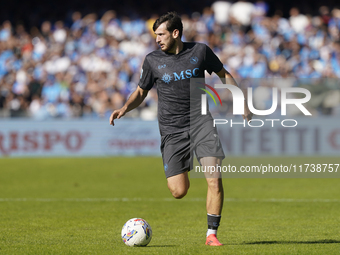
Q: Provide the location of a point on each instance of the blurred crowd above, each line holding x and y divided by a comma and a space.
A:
89, 68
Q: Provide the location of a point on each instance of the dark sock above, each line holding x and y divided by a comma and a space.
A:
213, 221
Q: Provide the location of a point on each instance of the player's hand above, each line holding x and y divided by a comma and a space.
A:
247, 113
117, 114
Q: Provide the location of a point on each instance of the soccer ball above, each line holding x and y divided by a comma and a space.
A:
136, 232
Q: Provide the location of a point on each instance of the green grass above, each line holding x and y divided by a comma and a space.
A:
78, 206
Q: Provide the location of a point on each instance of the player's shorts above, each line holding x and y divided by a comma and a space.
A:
177, 149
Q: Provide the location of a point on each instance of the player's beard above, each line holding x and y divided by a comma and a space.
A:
171, 46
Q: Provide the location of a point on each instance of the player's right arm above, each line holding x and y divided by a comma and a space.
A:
146, 82
134, 101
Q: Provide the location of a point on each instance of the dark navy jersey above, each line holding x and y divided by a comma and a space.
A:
172, 73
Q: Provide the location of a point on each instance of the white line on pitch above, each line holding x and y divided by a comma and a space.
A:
118, 199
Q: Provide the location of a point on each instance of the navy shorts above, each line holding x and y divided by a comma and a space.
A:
177, 149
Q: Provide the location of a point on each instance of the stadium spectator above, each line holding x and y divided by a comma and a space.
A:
241, 13
298, 21
221, 12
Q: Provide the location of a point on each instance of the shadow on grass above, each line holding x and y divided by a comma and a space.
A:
156, 246
296, 242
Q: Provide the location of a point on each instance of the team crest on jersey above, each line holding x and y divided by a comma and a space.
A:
193, 60
166, 78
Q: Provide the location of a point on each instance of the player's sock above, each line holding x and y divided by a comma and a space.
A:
213, 223
211, 231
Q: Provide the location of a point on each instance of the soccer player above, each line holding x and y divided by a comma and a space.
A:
171, 68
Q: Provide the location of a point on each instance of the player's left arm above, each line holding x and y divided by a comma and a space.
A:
227, 78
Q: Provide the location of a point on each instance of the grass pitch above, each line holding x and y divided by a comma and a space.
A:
78, 206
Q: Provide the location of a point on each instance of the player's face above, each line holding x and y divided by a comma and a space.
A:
165, 39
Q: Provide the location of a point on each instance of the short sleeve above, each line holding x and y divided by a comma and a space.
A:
147, 78
212, 62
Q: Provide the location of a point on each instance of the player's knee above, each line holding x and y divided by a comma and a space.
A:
179, 193
178, 185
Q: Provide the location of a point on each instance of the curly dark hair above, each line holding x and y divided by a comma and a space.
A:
173, 22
